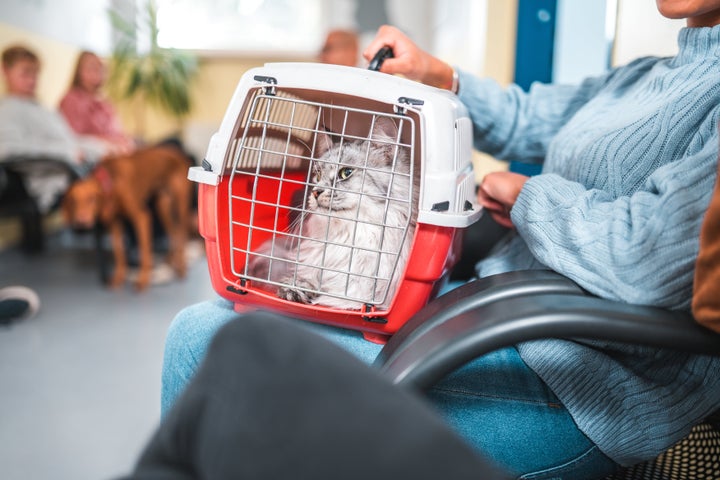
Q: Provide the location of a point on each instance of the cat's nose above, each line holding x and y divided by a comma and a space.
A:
316, 192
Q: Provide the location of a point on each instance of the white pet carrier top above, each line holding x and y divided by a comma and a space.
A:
440, 135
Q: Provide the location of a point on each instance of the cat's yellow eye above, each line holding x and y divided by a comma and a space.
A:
345, 173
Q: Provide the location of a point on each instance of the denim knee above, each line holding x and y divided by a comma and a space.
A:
186, 345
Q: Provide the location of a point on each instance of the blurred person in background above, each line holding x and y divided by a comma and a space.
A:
88, 112
341, 47
44, 151
29, 129
94, 118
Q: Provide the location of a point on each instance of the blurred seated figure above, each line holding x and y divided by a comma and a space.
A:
39, 153
88, 112
341, 47
28, 130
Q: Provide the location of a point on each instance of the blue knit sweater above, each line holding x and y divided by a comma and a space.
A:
629, 161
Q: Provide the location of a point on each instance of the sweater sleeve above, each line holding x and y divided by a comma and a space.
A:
31, 130
14, 141
639, 248
511, 124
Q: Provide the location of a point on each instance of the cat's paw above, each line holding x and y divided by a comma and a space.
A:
295, 295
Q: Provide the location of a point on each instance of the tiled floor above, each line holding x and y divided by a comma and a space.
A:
79, 383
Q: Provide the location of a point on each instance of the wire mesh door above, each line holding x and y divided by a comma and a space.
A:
322, 201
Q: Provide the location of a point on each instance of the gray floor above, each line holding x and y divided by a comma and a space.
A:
79, 383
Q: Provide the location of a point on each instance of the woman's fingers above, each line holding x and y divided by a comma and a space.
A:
497, 194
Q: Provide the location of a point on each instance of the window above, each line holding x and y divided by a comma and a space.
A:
259, 26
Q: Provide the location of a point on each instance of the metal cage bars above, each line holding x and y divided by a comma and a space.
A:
278, 144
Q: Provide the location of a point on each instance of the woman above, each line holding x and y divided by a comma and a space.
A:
88, 112
629, 161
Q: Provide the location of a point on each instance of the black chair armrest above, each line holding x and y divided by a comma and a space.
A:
3, 179
24, 164
472, 296
439, 350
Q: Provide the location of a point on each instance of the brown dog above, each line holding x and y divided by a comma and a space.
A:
120, 187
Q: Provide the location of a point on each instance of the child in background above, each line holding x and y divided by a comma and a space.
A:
88, 112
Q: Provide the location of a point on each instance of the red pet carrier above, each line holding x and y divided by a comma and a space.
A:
376, 249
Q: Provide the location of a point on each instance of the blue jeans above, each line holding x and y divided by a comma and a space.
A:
496, 403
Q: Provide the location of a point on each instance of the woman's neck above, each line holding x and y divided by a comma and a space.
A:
709, 19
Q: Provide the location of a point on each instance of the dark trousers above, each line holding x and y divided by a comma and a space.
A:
273, 401
16, 201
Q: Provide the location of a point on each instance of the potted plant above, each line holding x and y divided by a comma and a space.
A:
148, 73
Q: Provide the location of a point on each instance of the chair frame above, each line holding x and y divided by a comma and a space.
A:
505, 309
26, 208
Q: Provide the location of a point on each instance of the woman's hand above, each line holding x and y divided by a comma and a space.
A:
497, 194
409, 60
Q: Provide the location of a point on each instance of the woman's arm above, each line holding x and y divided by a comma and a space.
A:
640, 248
512, 124
508, 122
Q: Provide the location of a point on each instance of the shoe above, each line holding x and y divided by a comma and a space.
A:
17, 302
161, 274
194, 250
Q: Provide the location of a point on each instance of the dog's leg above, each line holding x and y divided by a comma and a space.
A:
164, 208
142, 222
183, 191
173, 207
118, 247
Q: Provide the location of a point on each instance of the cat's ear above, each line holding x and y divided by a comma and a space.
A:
325, 140
384, 137
384, 128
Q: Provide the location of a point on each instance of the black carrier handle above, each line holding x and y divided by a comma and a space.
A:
383, 54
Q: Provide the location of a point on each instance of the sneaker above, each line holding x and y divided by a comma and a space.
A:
161, 274
17, 302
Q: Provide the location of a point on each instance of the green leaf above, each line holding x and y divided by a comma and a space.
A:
161, 76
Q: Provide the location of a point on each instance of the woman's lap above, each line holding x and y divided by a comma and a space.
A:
496, 403
193, 328
502, 408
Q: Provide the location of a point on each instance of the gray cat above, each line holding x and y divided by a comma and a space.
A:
351, 240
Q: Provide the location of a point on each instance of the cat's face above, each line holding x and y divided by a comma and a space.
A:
353, 172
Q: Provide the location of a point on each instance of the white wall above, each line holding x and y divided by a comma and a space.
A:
454, 31
586, 44
641, 31
460, 29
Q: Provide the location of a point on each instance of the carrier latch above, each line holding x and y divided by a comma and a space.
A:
241, 290
369, 308
400, 109
272, 81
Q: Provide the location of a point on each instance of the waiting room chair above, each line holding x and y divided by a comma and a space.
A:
503, 310
15, 201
